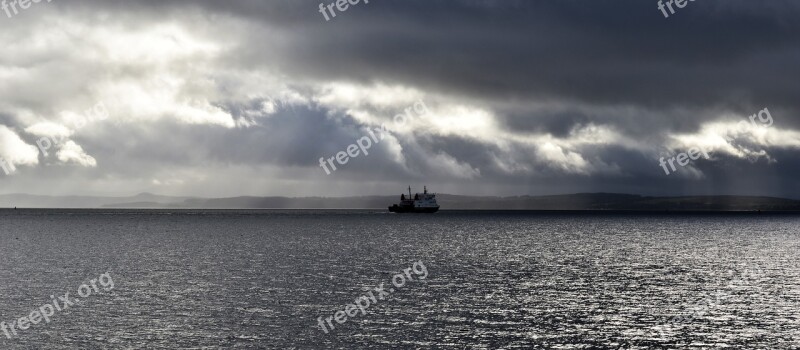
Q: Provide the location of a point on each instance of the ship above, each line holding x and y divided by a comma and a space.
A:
421, 203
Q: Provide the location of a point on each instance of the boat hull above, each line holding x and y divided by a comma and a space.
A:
413, 210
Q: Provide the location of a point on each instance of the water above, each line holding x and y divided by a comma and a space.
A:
510, 280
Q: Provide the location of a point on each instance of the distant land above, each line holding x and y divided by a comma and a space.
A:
581, 201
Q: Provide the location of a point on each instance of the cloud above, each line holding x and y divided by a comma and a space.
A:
72, 153
14, 151
49, 129
520, 96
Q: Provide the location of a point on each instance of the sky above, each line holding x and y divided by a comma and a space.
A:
508, 97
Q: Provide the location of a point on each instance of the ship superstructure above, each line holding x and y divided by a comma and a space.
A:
420, 203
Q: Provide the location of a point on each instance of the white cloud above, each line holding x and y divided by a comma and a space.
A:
14, 151
729, 137
49, 129
560, 159
72, 153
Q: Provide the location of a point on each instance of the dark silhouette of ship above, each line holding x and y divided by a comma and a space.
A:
421, 203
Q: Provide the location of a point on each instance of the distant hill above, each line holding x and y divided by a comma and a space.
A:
34, 201
580, 201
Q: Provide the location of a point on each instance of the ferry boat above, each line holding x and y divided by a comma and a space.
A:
421, 203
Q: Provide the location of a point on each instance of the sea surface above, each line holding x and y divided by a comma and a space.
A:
266, 279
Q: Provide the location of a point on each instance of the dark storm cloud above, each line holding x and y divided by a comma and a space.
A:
732, 54
546, 71
601, 51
